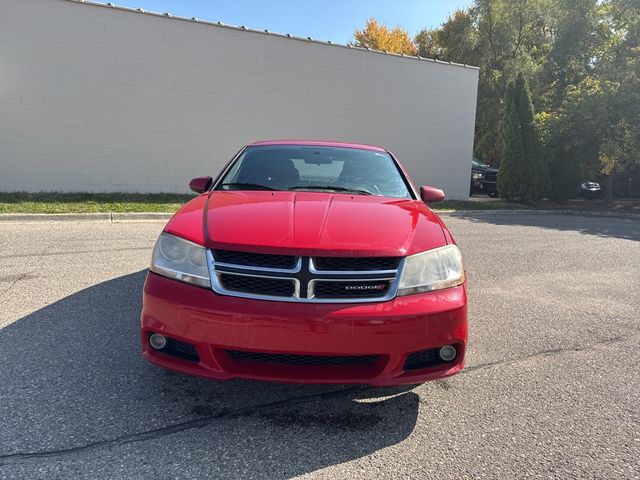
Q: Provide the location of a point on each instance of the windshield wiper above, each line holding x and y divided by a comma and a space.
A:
331, 187
248, 186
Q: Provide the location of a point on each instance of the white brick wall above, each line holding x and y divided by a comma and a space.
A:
100, 99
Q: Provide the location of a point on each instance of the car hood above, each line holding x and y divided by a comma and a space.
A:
484, 169
309, 223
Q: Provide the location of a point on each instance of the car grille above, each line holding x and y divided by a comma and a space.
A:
491, 177
258, 285
304, 279
356, 263
254, 259
302, 360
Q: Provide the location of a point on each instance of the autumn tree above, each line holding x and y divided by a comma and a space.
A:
378, 36
581, 61
455, 41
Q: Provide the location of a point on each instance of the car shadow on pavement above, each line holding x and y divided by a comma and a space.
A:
76, 390
608, 227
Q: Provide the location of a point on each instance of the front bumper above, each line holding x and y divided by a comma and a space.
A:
217, 324
588, 193
484, 186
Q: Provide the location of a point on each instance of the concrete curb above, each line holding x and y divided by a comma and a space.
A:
141, 217
83, 217
157, 217
577, 213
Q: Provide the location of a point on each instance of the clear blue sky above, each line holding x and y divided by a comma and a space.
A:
332, 20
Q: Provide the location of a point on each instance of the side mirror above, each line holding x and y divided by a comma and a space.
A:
431, 194
200, 184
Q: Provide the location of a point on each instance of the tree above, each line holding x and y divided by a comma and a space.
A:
618, 68
455, 41
502, 37
378, 36
511, 38
521, 174
575, 34
594, 129
581, 59
563, 164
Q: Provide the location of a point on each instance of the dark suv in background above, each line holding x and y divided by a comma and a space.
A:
484, 179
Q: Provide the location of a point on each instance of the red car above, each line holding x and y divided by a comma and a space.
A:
307, 262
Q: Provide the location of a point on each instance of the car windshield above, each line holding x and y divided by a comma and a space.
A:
316, 168
477, 163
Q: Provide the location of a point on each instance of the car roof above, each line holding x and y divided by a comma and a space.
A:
317, 143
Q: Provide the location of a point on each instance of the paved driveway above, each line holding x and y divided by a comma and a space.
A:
551, 388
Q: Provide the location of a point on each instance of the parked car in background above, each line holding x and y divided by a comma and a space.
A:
590, 190
307, 262
484, 179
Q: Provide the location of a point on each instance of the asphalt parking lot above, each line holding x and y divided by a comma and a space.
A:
551, 388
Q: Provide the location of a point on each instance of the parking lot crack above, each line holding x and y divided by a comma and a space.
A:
198, 423
12, 282
148, 435
551, 352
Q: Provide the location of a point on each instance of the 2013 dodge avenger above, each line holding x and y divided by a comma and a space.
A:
307, 262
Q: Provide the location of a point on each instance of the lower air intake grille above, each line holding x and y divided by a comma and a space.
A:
179, 349
301, 360
422, 359
258, 285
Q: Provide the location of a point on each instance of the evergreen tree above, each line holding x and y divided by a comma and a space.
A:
522, 175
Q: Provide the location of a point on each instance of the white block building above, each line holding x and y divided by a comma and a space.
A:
102, 99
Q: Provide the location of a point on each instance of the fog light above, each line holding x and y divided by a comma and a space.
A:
447, 353
157, 341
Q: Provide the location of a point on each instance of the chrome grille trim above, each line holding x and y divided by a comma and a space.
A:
313, 276
295, 269
314, 270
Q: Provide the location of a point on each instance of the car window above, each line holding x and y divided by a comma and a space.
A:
477, 163
289, 167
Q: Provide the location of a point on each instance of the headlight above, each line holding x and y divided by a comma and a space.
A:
432, 270
478, 176
181, 260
